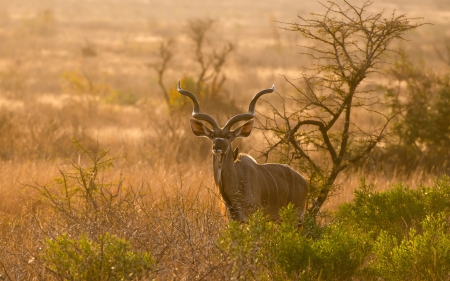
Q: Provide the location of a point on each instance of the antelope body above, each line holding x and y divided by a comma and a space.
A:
245, 185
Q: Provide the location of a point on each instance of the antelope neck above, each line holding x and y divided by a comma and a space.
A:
219, 159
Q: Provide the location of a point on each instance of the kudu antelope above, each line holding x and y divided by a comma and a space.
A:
244, 184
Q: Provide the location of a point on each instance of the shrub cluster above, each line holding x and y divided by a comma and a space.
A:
280, 251
91, 224
400, 234
106, 258
87, 224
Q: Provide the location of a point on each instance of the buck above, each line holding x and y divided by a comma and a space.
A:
245, 185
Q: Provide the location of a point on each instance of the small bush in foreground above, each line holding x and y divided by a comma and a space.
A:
395, 211
423, 255
92, 223
400, 234
268, 250
107, 258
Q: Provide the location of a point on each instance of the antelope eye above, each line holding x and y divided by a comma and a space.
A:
228, 137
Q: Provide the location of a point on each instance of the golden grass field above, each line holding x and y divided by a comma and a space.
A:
65, 64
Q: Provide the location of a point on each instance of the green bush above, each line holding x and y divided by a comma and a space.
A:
340, 253
436, 198
107, 258
395, 211
407, 230
268, 250
399, 234
421, 255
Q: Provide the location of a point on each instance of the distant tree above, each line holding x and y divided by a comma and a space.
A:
210, 63
318, 128
165, 54
423, 97
209, 59
204, 76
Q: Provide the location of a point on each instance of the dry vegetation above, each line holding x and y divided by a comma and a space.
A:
82, 70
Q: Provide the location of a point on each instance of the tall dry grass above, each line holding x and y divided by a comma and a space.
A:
177, 223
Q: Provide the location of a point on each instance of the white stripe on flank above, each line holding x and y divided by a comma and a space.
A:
293, 182
285, 180
265, 180
273, 180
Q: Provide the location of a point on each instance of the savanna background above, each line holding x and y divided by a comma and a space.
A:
102, 179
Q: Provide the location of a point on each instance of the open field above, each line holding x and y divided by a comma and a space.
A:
84, 70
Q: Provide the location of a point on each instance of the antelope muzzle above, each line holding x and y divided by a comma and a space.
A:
220, 146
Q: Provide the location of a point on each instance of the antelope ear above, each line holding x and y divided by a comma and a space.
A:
244, 130
199, 129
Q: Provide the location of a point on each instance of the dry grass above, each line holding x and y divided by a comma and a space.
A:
178, 224
61, 68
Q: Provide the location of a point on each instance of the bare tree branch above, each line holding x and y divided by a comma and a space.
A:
166, 55
320, 124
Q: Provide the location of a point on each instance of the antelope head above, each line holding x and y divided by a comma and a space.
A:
222, 138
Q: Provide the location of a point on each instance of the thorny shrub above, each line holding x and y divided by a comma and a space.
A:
90, 208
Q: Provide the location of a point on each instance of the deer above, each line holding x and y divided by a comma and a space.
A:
245, 185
